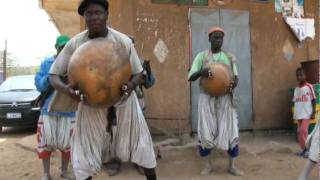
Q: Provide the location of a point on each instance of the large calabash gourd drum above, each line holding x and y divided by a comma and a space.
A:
219, 83
99, 68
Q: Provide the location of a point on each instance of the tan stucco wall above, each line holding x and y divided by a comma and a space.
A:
63, 15
169, 101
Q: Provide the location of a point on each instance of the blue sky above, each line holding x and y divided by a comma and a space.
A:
28, 29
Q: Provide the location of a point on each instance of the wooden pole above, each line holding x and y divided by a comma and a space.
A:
5, 60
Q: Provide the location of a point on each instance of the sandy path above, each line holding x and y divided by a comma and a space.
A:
264, 156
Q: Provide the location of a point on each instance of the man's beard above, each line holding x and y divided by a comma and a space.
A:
215, 47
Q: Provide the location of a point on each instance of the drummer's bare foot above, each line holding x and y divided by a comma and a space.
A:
232, 168
46, 168
206, 171
207, 167
64, 170
46, 177
236, 172
67, 175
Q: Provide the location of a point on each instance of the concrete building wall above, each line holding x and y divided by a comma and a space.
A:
169, 101
63, 15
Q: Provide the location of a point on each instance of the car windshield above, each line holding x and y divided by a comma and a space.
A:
18, 83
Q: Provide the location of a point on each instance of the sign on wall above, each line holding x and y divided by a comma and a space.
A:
183, 2
290, 8
303, 28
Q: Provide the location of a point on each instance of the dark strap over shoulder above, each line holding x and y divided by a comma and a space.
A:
231, 59
208, 54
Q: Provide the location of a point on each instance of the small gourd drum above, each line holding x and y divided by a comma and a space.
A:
218, 84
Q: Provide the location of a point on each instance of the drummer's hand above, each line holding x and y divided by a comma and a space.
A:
127, 89
74, 94
207, 73
231, 86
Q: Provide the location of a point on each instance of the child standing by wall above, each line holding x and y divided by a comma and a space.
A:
304, 108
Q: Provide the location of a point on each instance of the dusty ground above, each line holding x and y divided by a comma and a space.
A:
264, 156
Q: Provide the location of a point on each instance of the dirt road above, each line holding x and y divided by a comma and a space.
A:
264, 156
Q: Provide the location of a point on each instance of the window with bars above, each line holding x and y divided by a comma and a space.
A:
183, 2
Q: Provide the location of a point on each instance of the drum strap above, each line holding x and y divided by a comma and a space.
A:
208, 57
231, 59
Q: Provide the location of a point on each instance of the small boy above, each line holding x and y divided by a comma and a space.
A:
304, 108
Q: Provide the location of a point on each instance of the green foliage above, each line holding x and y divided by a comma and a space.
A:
14, 71
12, 59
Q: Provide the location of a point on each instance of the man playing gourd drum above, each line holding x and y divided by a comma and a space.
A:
217, 116
132, 141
